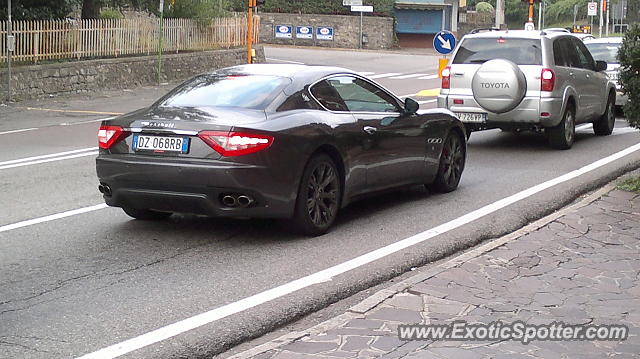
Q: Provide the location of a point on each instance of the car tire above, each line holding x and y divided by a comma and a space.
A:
319, 196
605, 124
467, 131
145, 214
561, 137
452, 161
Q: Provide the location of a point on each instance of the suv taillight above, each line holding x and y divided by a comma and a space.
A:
109, 135
547, 80
446, 78
235, 143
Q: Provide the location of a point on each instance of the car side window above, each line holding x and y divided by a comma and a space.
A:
559, 53
298, 101
328, 96
571, 53
586, 60
362, 96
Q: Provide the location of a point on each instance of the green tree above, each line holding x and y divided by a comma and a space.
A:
484, 7
629, 56
381, 7
37, 9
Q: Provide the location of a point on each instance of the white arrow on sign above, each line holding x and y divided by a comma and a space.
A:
445, 44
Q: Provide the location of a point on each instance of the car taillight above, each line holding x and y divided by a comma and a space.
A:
235, 143
446, 77
109, 135
547, 80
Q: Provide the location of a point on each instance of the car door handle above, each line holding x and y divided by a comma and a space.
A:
370, 130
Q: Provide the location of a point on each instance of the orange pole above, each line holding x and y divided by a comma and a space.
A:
530, 10
250, 31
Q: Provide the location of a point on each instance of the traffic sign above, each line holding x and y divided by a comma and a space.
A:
530, 26
351, 2
360, 8
444, 42
592, 9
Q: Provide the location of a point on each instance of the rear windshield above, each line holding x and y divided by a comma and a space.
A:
604, 52
519, 51
245, 91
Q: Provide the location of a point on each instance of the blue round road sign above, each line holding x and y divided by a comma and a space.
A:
444, 42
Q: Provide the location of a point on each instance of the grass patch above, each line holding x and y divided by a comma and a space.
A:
630, 185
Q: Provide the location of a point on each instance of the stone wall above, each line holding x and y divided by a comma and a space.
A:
36, 81
379, 31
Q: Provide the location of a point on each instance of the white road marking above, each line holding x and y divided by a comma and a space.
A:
87, 121
389, 74
287, 61
405, 76
365, 73
427, 101
51, 217
429, 77
18, 131
91, 151
584, 126
213, 315
403, 96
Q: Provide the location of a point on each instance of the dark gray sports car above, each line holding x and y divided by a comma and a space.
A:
277, 141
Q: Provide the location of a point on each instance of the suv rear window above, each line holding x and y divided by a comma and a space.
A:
481, 50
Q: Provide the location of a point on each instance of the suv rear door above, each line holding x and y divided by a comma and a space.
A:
475, 51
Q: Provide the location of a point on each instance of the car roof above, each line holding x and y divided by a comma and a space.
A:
519, 34
605, 40
292, 71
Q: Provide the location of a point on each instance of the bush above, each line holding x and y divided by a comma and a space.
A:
110, 14
629, 56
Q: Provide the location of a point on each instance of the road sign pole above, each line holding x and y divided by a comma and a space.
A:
250, 32
601, 19
361, 29
160, 35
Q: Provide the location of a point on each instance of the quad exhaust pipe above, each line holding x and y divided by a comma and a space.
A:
233, 200
105, 189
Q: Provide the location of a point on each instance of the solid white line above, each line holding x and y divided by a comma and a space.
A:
409, 95
51, 217
385, 75
287, 61
430, 77
26, 159
21, 164
365, 73
87, 121
583, 126
427, 101
18, 131
199, 320
405, 76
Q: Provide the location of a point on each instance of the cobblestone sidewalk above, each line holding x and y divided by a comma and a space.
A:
583, 267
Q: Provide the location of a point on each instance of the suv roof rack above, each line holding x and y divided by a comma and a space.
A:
483, 29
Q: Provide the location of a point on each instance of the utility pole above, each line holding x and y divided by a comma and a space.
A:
252, 4
607, 5
499, 13
10, 48
540, 5
575, 13
602, 3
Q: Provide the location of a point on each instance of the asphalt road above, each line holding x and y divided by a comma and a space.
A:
74, 284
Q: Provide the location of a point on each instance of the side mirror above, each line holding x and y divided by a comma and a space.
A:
601, 66
411, 106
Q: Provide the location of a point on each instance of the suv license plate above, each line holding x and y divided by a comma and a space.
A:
472, 117
160, 144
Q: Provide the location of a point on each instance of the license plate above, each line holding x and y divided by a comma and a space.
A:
472, 117
160, 144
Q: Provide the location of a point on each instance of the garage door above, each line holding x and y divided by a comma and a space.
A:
418, 21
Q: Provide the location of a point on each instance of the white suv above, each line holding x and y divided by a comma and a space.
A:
528, 80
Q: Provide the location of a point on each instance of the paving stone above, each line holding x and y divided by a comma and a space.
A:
406, 301
310, 347
290, 355
456, 353
387, 344
396, 315
423, 288
355, 343
364, 324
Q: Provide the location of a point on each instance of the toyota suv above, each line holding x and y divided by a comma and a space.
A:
528, 80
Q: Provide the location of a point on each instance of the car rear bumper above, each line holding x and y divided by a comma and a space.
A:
529, 113
195, 187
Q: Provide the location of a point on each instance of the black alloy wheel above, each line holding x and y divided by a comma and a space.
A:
318, 198
452, 161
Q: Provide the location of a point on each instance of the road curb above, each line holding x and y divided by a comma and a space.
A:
377, 298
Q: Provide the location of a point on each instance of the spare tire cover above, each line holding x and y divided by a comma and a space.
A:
499, 86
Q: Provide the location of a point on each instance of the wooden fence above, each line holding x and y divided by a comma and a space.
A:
50, 40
